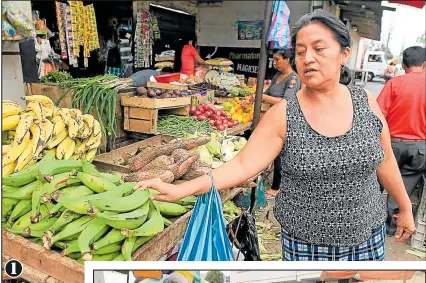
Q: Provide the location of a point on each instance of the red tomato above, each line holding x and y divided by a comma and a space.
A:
192, 110
220, 127
218, 122
213, 116
235, 122
208, 113
212, 123
197, 113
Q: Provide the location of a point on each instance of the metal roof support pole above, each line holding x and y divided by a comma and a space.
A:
263, 60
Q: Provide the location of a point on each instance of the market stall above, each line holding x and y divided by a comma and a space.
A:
59, 209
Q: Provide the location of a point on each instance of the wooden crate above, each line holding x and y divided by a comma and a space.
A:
198, 99
166, 86
36, 256
141, 114
53, 92
50, 90
50, 266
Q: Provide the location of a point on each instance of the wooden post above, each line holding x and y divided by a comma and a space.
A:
262, 64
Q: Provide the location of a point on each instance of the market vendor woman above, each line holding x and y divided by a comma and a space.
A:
336, 148
286, 82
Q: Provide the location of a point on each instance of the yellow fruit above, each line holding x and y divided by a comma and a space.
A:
58, 126
90, 155
65, 149
73, 128
16, 150
10, 122
23, 127
38, 109
10, 108
25, 157
8, 169
55, 140
44, 100
5, 148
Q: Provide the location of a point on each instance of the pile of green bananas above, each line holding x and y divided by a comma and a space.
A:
68, 205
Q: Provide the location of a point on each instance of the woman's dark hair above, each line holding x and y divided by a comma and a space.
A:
178, 50
332, 22
285, 53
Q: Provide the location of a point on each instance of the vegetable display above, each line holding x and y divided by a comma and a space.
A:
240, 109
180, 126
56, 77
43, 128
98, 93
71, 207
217, 119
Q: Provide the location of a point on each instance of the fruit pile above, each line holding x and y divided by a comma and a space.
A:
218, 119
241, 109
43, 127
242, 91
69, 206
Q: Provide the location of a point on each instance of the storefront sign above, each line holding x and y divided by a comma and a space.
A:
246, 60
250, 30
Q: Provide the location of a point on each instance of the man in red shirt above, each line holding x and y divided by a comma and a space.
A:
403, 103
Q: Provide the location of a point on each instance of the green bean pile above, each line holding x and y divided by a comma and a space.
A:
179, 126
98, 92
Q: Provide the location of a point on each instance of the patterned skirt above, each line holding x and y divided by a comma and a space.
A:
373, 249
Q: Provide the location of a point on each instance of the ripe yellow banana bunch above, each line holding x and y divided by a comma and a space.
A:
10, 115
42, 127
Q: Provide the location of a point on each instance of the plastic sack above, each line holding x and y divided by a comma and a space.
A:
279, 30
242, 232
20, 21
205, 238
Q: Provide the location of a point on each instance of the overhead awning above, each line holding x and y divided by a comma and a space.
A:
414, 3
367, 275
366, 16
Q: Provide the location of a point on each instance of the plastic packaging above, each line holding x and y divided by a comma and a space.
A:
19, 21
242, 230
205, 238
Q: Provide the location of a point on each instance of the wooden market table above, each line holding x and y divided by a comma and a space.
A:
239, 130
41, 265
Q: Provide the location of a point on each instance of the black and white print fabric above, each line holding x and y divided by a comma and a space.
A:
329, 193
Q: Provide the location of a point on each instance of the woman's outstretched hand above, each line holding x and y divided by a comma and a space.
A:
167, 192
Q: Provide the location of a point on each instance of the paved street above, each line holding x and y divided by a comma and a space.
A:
375, 86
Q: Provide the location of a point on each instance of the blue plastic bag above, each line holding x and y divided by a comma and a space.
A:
205, 238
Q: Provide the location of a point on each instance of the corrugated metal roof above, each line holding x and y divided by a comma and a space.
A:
365, 15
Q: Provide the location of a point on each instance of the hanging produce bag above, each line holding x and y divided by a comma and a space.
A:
205, 238
19, 21
279, 31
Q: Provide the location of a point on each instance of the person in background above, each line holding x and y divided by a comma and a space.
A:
141, 78
403, 103
285, 84
186, 56
390, 71
336, 146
